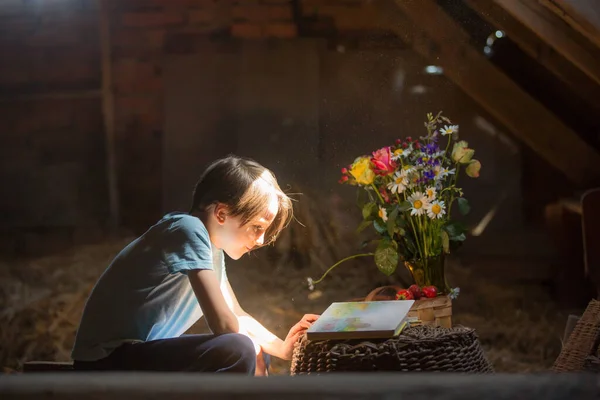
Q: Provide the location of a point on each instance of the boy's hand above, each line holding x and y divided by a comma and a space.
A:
261, 367
294, 334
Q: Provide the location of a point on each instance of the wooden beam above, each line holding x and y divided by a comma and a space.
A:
56, 95
557, 34
436, 36
590, 205
108, 111
573, 13
539, 50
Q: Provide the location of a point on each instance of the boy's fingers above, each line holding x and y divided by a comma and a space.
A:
305, 324
310, 317
302, 325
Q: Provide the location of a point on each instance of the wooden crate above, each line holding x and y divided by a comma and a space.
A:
436, 311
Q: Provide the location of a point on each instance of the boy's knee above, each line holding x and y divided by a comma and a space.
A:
240, 342
241, 347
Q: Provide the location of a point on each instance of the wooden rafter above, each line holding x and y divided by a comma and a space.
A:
573, 16
435, 35
556, 33
539, 50
54, 95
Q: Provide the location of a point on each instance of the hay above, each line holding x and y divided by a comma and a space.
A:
42, 300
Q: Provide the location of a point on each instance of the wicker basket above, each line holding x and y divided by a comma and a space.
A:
580, 352
436, 311
419, 348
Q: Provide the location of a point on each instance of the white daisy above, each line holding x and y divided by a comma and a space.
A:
430, 192
418, 202
383, 214
435, 209
444, 172
400, 152
408, 169
413, 179
437, 173
399, 183
449, 130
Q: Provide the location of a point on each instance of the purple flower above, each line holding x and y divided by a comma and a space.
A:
431, 148
429, 175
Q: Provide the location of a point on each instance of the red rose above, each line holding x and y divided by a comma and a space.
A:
382, 160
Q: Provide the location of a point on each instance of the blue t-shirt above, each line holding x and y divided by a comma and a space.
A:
145, 293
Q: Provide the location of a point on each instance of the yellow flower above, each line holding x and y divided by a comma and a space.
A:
473, 169
461, 153
362, 172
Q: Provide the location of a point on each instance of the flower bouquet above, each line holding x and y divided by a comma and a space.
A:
407, 192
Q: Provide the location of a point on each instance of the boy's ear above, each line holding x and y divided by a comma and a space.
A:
220, 212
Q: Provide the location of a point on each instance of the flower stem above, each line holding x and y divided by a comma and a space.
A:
378, 194
448, 146
341, 261
454, 185
415, 234
423, 234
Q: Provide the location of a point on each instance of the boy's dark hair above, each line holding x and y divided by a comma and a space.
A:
245, 187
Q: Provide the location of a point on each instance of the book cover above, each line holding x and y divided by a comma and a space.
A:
361, 320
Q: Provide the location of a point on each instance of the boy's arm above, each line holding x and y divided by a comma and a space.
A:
260, 335
219, 317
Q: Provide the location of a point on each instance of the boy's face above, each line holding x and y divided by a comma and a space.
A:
237, 240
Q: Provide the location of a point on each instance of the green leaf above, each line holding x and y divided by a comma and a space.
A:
379, 226
400, 221
460, 238
405, 205
463, 205
445, 242
368, 210
363, 225
360, 202
455, 229
362, 198
386, 256
391, 222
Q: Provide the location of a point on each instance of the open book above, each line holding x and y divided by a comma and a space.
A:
361, 320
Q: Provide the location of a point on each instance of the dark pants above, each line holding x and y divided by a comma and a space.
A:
201, 353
